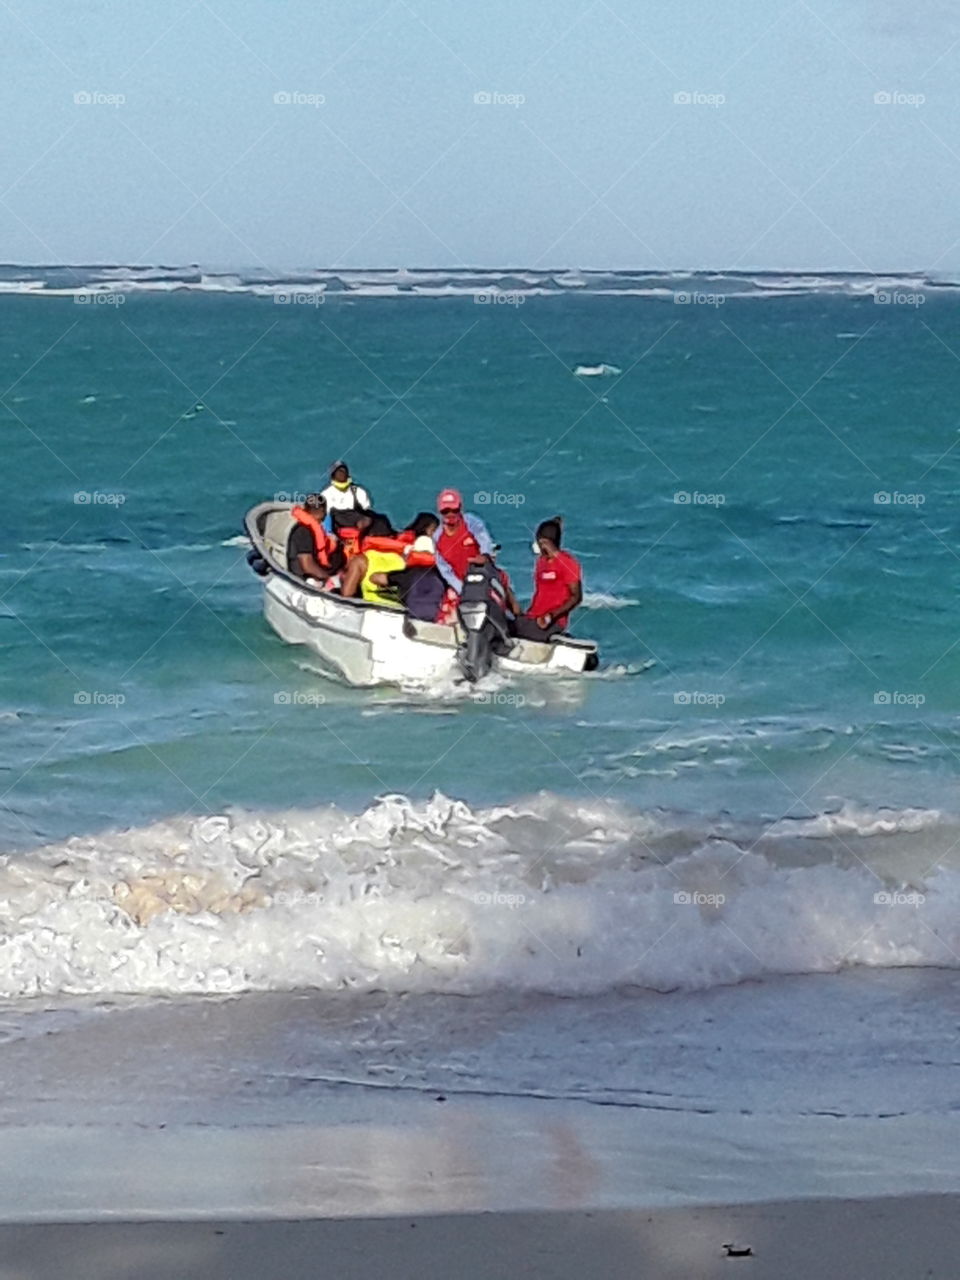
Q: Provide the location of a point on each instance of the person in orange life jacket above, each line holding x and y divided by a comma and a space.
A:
557, 590
459, 538
419, 585
377, 540
312, 552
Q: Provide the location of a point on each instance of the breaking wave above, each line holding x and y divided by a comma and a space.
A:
483, 284
606, 600
546, 895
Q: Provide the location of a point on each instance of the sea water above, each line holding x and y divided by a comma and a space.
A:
759, 477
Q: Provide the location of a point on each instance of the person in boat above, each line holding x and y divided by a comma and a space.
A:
460, 537
379, 552
418, 585
312, 552
343, 493
557, 586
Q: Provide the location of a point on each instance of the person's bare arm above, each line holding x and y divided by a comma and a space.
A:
513, 604
310, 567
354, 575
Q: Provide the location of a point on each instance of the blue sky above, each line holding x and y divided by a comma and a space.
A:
635, 133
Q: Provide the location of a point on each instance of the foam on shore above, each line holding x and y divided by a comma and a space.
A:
547, 895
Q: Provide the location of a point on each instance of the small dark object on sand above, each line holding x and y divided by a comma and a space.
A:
734, 1252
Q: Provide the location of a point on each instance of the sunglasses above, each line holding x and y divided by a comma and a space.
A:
449, 511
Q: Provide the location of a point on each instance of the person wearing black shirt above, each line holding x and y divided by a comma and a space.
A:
302, 545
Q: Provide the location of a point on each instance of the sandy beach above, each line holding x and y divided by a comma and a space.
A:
882, 1239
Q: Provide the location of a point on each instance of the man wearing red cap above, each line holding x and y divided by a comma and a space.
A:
461, 537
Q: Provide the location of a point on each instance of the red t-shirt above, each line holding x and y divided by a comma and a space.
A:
458, 548
552, 580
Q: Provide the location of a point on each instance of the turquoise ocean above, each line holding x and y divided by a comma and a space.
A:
759, 475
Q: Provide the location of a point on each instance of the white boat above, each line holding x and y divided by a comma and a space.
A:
368, 644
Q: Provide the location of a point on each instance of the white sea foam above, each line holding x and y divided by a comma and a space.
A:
596, 370
550, 895
604, 600
345, 285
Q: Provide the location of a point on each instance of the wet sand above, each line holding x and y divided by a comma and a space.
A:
895, 1238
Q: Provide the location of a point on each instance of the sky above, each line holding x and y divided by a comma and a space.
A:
647, 134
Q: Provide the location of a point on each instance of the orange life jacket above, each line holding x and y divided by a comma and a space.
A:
414, 559
350, 540
354, 542
378, 543
324, 543
420, 559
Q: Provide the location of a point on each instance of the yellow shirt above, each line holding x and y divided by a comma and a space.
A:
381, 562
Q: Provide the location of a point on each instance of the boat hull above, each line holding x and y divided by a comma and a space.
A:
366, 644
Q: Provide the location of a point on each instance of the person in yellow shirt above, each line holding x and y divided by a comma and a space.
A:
380, 552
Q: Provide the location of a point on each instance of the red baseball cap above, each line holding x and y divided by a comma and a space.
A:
449, 499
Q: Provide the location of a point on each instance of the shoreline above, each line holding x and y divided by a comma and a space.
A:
890, 1238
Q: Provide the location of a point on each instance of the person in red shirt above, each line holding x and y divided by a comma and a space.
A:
460, 538
557, 586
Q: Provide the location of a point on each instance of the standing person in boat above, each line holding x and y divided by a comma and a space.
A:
312, 552
343, 493
557, 586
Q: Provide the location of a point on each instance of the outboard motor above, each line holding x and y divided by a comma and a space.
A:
257, 563
483, 614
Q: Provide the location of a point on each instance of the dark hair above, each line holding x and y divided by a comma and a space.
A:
421, 523
552, 530
314, 500
380, 526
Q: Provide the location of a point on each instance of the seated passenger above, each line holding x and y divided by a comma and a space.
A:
460, 538
378, 552
558, 587
312, 552
418, 584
